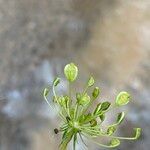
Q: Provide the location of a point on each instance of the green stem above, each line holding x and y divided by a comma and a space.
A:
60, 114
48, 102
70, 93
76, 112
121, 138
74, 141
82, 139
55, 94
103, 145
64, 144
85, 90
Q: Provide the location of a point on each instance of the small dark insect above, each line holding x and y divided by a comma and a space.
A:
68, 118
56, 131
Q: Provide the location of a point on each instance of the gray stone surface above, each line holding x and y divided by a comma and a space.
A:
109, 39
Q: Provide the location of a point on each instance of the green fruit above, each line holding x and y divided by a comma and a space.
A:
71, 72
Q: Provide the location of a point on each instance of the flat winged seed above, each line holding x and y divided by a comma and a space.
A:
137, 132
85, 99
115, 142
96, 92
45, 92
78, 96
122, 98
56, 81
111, 130
120, 117
105, 106
93, 123
71, 72
91, 82
101, 107
97, 109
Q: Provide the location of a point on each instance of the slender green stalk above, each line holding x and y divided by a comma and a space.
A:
76, 112
103, 145
70, 96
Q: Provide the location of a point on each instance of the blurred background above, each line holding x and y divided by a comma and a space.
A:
109, 39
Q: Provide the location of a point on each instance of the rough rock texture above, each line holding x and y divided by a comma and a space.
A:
107, 38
